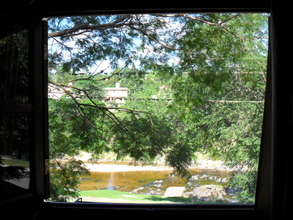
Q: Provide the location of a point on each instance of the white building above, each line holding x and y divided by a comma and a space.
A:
113, 96
55, 92
116, 95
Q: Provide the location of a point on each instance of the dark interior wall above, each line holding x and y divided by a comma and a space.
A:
283, 116
54, 8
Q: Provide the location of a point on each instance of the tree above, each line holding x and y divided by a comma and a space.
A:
213, 66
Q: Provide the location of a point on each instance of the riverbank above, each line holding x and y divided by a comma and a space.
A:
109, 164
97, 167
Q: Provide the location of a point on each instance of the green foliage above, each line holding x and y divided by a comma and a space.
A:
71, 129
14, 68
144, 139
64, 179
245, 185
196, 84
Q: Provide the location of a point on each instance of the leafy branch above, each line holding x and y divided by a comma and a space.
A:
87, 27
105, 110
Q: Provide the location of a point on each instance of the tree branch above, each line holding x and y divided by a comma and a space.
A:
88, 27
105, 110
154, 39
235, 101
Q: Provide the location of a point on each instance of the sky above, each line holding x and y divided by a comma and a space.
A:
54, 46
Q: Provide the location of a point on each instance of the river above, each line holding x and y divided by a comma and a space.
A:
146, 181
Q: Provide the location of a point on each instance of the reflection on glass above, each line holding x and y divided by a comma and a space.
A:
15, 128
14, 73
14, 153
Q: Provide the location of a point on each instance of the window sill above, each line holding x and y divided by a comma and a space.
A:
204, 211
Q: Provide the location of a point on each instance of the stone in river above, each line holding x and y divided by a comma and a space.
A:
175, 191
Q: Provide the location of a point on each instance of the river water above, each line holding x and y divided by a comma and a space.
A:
151, 182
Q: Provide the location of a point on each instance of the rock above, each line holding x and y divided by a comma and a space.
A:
138, 190
204, 176
207, 193
176, 191
194, 178
224, 180
153, 192
218, 179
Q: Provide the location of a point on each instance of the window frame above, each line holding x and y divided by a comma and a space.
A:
37, 102
252, 208
23, 205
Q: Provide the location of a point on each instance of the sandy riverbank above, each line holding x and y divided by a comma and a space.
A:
201, 163
123, 168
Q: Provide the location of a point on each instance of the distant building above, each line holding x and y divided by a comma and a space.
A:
115, 96
55, 92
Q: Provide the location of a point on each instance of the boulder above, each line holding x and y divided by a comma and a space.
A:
207, 193
175, 191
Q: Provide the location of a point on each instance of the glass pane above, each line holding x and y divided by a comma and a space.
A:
15, 145
14, 72
158, 108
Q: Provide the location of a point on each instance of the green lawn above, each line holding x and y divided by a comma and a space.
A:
16, 162
125, 197
120, 196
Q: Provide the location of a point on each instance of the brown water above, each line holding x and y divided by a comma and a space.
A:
131, 180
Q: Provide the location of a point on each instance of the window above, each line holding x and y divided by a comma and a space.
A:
22, 110
15, 139
273, 192
180, 96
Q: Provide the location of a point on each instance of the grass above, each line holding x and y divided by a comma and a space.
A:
113, 196
119, 196
16, 162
